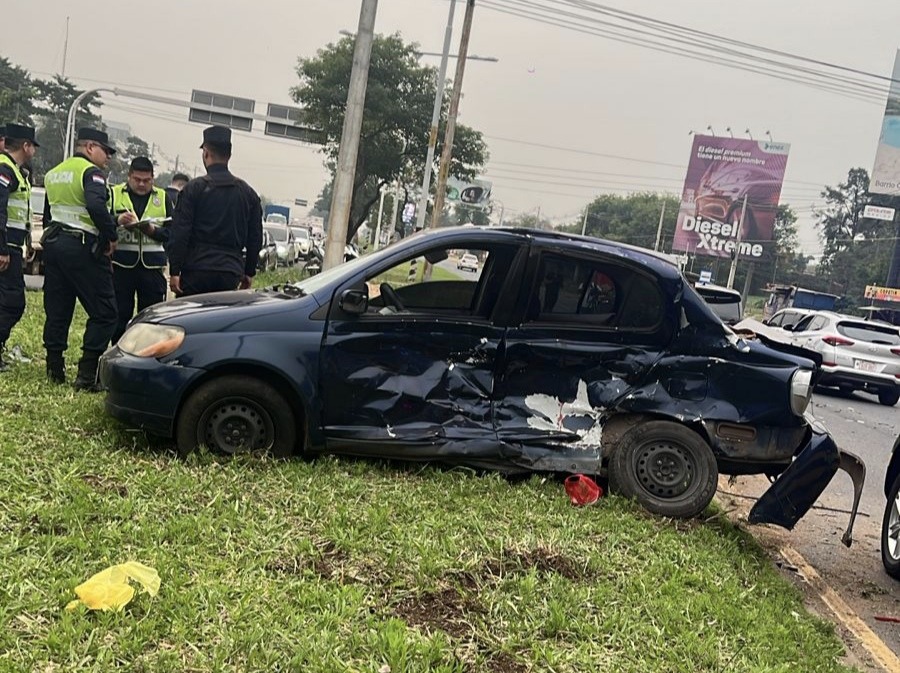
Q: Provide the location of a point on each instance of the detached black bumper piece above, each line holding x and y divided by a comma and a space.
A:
800, 485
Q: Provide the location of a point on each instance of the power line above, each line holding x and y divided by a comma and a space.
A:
524, 10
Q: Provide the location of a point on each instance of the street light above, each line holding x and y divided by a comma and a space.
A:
489, 59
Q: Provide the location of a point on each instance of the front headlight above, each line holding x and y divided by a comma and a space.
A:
801, 391
146, 340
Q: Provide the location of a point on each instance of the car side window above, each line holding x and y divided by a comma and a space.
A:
777, 320
442, 285
592, 292
803, 325
817, 323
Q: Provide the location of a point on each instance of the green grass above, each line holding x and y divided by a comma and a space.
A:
340, 565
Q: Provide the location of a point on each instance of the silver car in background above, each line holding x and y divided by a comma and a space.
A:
856, 354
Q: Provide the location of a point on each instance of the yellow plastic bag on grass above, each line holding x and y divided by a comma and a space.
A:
109, 589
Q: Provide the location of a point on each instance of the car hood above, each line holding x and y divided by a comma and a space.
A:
222, 311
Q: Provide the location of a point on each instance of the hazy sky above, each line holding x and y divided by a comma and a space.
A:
551, 86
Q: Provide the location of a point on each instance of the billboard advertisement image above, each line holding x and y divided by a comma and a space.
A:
886, 174
721, 173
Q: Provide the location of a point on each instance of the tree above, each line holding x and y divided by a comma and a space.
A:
17, 94
631, 219
54, 98
396, 119
120, 161
857, 249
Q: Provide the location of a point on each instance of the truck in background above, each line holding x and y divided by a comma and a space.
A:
276, 214
791, 296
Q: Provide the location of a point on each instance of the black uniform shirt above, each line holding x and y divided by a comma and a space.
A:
95, 196
217, 225
8, 184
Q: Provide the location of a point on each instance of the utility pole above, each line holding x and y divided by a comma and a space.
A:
378, 225
394, 209
435, 120
353, 116
659, 229
440, 190
737, 251
65, 48
584, 221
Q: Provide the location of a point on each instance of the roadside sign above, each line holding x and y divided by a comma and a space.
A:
882, 293
879, 213
706, 276
409, 212
300, 202
222, 109
285, 121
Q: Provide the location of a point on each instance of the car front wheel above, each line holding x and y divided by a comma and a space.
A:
237, 414
668, 468
890, 532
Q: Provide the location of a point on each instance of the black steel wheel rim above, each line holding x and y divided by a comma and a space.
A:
665, 469
236, 425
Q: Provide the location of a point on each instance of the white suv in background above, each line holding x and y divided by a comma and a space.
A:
856, 354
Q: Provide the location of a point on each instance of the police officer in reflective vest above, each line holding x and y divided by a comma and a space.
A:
79, 239
15, 227
140, 210
216, 233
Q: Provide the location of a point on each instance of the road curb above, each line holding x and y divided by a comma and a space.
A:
876, 647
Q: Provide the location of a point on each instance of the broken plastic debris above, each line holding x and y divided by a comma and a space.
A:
582, 490
109, 589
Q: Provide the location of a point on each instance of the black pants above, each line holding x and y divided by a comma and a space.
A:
148, 284
72, 272
198, 282
12, 294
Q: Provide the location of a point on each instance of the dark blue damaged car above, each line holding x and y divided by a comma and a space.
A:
562, 354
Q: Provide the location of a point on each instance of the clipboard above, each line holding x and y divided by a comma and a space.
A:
156, 221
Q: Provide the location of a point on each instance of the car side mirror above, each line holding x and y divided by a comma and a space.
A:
354, 302
789, 327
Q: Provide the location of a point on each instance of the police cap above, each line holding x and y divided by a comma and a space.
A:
97, 136
217, 135
141, 165
19, 132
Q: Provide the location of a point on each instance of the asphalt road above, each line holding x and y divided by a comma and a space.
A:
868, 429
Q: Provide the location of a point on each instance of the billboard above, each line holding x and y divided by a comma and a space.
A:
886, 173
721, 172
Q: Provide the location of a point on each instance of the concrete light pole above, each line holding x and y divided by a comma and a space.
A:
353, 116
435, 120
447, 152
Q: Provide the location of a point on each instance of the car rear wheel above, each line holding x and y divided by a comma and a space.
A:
888, 397
668, 468
890, 532
237, 414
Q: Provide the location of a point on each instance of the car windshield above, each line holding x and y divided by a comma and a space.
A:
276, 218
280, 234
871, 333
300, 232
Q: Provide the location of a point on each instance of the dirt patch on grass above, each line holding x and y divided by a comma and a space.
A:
104, 484
329, 563
445, 610
540, 559
504, 663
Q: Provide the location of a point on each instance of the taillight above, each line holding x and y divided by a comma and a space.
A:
896, 351
837, 341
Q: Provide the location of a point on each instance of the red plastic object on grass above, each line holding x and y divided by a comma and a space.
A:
582, 490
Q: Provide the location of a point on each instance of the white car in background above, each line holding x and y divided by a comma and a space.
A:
468, 262
285, 244
303, 240
856, 354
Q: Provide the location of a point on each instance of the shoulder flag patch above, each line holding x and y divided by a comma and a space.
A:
99, 179
4, 180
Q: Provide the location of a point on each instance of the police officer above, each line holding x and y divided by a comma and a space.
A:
216, 233
140, 257
79, 239
2, 138
15, 227
179, 180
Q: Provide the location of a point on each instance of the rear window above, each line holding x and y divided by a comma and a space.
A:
875, 334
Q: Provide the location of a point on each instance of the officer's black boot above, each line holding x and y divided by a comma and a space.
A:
3, 364
56, 367
87, 373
